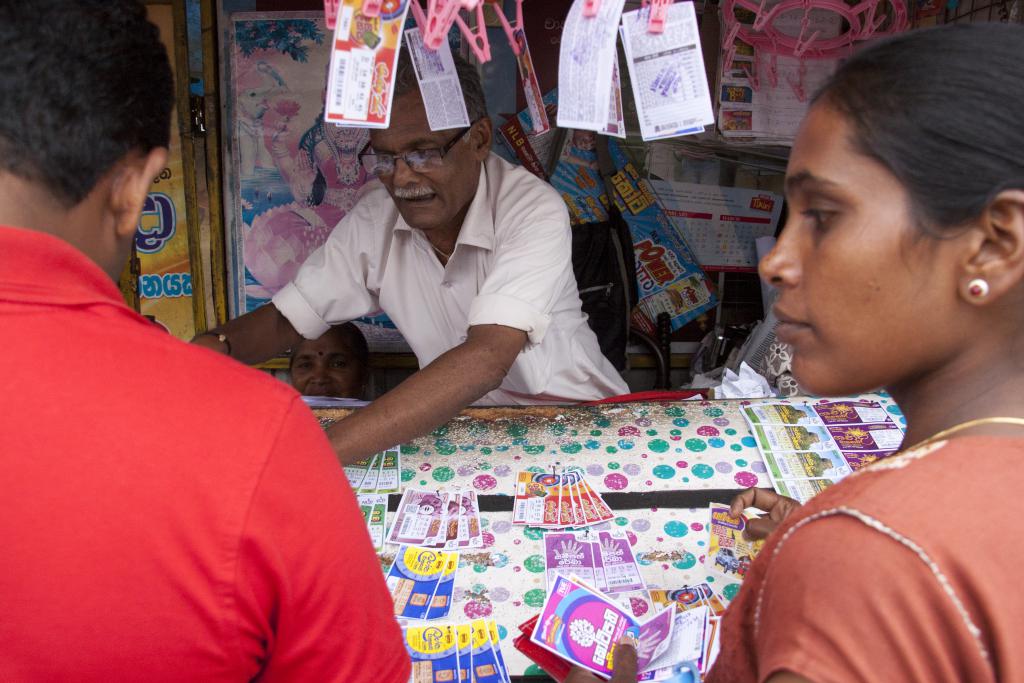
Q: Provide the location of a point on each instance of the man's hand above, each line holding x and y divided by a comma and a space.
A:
253, 337
432, 396
623, 669
778, 508
210, 341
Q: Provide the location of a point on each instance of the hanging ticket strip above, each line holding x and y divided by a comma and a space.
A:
663, 54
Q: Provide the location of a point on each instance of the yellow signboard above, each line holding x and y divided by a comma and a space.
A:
165, 285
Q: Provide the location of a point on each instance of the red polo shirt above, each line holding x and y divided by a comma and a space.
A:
168, 514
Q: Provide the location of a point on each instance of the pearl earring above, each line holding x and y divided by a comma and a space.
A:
977, 288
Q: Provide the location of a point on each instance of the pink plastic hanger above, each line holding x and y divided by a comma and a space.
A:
439, 17
509, 28
331, 13
477, 38
659, 12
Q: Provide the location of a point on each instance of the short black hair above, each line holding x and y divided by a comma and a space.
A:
469, 79
82, 84
941, 109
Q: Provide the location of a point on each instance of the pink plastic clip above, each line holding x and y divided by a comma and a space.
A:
761, 17
371, 8
478, 41
419, 15
659, 11
509, 28
591, 7
802, 45
730, 44
754, 75
331, 13
798, 85
439, 19
773, 69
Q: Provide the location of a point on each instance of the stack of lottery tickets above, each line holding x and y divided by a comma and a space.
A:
422, 581
729, 553
808, 447
434, 519
378, 474
558, 501
374, 507
602, 559
466, 652
704, 610
583, 626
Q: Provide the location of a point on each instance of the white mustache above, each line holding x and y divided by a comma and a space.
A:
413, 192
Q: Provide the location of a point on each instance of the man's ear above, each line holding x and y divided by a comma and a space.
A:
997, 248
482, 138
130, 186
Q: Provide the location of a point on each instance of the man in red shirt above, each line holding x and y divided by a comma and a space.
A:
168, 514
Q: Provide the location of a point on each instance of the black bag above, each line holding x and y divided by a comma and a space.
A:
603, 264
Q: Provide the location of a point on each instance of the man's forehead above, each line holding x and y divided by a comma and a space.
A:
408, 128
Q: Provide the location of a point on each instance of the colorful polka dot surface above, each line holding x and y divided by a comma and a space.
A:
640, 447
506, 582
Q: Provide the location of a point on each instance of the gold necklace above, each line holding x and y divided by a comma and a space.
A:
966, 425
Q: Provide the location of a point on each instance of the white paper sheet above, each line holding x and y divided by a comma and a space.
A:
585, 66
439, 83
616, 121
670, 87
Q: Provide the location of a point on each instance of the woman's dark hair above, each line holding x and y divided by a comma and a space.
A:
82, 84
943, 110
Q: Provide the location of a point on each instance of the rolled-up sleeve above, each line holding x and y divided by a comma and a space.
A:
334, 284
531, 268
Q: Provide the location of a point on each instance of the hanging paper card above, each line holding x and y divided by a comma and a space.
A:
586, 58
670, 87
362, 73
616, 122
439, 83
531, 87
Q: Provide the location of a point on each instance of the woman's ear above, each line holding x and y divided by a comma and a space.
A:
995, 262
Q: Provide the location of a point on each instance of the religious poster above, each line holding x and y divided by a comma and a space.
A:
293, 176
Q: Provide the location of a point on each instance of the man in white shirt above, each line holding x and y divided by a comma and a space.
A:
468, 255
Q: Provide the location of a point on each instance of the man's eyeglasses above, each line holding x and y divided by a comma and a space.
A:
418, 160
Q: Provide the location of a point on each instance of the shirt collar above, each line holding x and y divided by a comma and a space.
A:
41, 268
478, 226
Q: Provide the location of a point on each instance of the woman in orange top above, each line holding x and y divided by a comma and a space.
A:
902, 266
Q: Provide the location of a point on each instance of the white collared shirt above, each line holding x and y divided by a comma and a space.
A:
512, 266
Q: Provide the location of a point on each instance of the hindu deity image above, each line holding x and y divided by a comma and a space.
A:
297, 176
